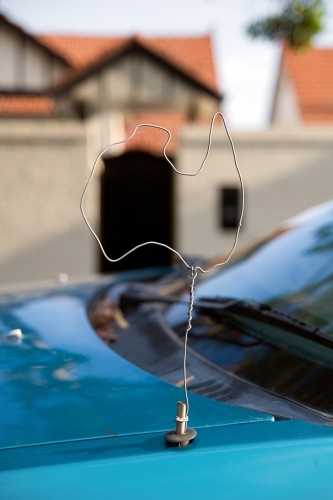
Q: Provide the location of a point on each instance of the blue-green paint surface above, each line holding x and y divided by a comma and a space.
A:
63, 383
102, 421
265, 460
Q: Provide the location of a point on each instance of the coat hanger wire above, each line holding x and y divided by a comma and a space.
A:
192, 270
188, 174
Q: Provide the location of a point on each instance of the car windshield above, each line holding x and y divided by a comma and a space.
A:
292, 272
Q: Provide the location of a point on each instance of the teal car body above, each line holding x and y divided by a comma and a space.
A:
78, 421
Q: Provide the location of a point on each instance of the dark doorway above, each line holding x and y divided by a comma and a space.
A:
136, 206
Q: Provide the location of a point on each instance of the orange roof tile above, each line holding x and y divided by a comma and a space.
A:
152, 140
81, 51
191, 55
25, 105
311, 73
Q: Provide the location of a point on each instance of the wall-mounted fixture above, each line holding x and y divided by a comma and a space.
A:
230, 199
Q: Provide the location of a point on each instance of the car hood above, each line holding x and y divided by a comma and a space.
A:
60, 382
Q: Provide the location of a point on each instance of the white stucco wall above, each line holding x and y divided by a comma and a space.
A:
44, 169
286, 111
43, 172
284, 170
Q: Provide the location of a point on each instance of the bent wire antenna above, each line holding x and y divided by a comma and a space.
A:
182, 435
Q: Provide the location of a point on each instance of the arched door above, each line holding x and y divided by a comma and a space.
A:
136, 206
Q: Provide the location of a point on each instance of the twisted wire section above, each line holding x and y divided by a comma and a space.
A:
191, 279
192, 270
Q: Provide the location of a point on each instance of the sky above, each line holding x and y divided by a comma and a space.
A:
247, 69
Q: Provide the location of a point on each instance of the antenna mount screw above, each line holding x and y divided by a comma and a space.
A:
181, 436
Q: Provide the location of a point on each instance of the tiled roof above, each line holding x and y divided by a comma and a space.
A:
152, 140
25, 105
311, 73
81, 51
191, 55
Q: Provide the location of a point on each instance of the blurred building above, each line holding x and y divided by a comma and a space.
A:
304, 90
62, 99
286, 168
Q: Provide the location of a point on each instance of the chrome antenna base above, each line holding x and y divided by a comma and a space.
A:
181, 436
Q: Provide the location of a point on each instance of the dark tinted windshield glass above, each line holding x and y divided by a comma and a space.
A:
278, 369
293, 271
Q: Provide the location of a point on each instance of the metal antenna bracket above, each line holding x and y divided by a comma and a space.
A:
181, 436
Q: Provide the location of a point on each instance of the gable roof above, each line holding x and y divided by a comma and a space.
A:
311, 73
192, 56
34, 39
81, 51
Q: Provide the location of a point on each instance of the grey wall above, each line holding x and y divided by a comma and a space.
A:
43, 172
284, 171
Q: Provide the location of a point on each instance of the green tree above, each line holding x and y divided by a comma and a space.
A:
297, 24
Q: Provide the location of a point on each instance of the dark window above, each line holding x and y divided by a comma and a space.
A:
81, 110
230, 199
